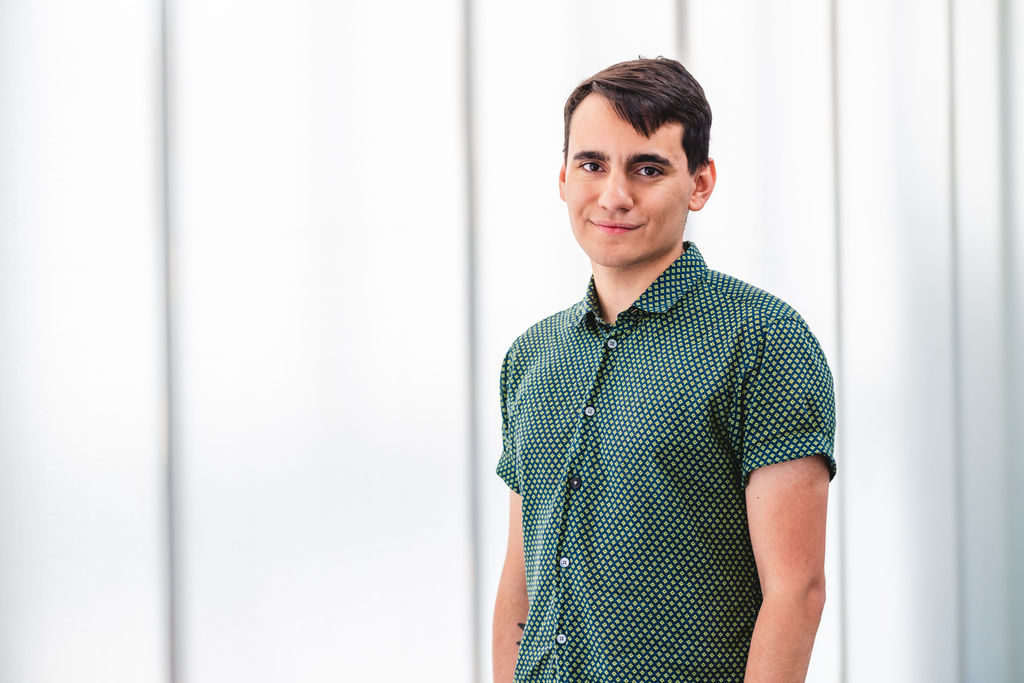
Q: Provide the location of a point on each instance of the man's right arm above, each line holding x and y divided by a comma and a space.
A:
511, 605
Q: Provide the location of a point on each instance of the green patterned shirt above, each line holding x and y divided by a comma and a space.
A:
631, 445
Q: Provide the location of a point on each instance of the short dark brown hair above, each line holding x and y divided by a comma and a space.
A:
648, 93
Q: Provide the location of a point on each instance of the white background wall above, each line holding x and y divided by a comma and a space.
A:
259, 265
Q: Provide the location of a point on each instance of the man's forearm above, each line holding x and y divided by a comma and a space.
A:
510, 609
780, 648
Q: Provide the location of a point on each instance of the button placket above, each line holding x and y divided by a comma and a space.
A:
565, 556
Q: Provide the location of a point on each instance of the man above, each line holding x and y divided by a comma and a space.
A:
668, 439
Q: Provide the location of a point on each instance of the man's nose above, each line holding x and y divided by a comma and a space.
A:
616, 194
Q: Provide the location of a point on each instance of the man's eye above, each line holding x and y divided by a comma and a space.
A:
590, 166
649, 171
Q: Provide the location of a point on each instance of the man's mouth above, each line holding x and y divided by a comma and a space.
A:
614, 228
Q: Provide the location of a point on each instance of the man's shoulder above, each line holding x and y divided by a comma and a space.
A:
733, 297
547, 330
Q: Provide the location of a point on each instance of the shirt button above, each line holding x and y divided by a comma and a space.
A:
564, 562
589, 411
611, 343
575, 483
560, 639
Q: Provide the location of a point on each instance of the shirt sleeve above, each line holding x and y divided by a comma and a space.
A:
788, 405
508, 465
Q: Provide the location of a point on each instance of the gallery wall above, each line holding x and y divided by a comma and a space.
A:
259, 265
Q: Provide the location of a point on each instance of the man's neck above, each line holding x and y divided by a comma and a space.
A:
618, 288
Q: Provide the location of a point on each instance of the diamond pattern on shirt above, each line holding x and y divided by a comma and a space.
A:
708, 378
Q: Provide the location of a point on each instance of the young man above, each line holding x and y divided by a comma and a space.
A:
668, 439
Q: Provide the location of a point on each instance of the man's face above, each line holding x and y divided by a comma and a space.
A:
628, 195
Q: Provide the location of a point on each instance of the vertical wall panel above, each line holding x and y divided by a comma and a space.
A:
527, 59
322, 319
82, 589
766, 69
1012, 53
986, 626
897, 339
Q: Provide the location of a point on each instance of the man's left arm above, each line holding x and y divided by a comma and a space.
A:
786, 507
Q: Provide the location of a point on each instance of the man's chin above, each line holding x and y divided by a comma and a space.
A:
619, 260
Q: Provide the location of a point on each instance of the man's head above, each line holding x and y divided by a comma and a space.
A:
635, 164
648, 93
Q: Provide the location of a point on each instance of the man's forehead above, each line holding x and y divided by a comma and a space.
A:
596, 125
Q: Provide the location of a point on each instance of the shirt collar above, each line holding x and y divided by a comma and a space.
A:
664, 292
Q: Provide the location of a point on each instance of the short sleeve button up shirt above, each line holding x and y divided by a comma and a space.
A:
631, 445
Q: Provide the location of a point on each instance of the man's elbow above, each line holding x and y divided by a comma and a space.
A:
803, 595
814, 598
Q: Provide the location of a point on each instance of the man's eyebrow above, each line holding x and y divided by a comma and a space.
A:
587, 155
649, 159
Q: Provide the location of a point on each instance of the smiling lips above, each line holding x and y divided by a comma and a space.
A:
614, 228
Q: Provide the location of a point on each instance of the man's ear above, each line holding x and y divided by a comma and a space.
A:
561, 182
703, 184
